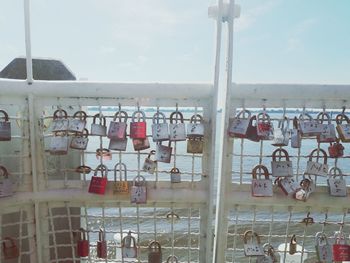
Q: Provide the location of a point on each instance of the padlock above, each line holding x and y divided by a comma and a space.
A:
196, 127
238, 126
177, 129
160, 131
98, 184
150, 165
281, 168
101, 244
60, 121
83, 169
316, 168
99, 129
154, 252
140, 144
5, 127
295, 135
308, 126
306, 187
323, 249
117, 129
328, 129
9, 248
138, 129
195, 145
269, 256
121, 186
118, 145
252, 132
163, 153
175, 175
287, 184
293, 245
252, 248
261, 187
340, 249
264, 126
172, 259
78, 122
343, 129
336, 182
59, 144
103, 153
80, 140
83, 246
138, 194
6, 185
336, 149
129, 247
281, 133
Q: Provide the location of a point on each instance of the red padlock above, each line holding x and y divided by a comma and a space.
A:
138, 129
9, 251
98, 184
341, 250
336, 150
83, 244
102, 245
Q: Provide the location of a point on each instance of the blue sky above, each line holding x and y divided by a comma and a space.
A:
276, 41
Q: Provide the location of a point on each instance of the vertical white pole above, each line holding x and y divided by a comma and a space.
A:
28, 41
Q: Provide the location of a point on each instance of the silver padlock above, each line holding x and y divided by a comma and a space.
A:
269, 256
252, 247
238, 126
160, 131
78, 122
261, 187
172, 259
336, 182
5, 127
163, 153
59, 144
303, 192
295, 135
6, 185
323, 248
175, 175
138, 194
80, 140
196, 127
281, 133
177, 129
316, 168
328, 129
281, 168
150, 165
287, 184
264, 126
99, 129
118, 145
129, 246
60, 121
308, 126
117, 129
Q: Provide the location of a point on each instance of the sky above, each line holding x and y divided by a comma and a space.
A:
275, 41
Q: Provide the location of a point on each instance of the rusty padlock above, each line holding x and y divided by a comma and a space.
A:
117, 129
252, 247
5, 127
141, 144
196, 127
281, 133
340, 249
150, 165
99, 129
269, 256
343, 129
83, 169
160, 131
163, 153
102, 244
177, 129
172, 259
138, 194
122, 185
336, 182
129, 246
60, 121
104, 154
78, 122
175, 175
264, 126
98, 184
293, 245
238, 126
252, 133
6, 185
83, 246
316, 168
154, 252
80, 140
295, 135
195, 145
59, 144
336, 149
138, 128
261, 187
281, 168
308, 126
9, 248
328, 129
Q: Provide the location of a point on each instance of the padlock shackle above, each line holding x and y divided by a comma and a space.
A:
62, 116
175, 170
83, 169
101, 118
155, 119
131, 238
154, 245
101, 235
283, 124
260, 167
242, 113
338, 236
103, 168
172, 214
176, 113
85, 133
340, 117
305, 116
321, 237
138, 112
139, 182
305, 183
263, 117
323, 153
121, 169
333, 172
173, 259
324, 116
6, 116
119, 114
81, 115
251, 234
153, 152
282, 153
82, 233
195, 118
4, 171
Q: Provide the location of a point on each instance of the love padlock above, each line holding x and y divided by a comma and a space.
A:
177, 127
281, 168
99, 129
9, 248
60, 121
238, 126
102, 244
98, 184
172, 259
83, 246
163, 153
340, 249
293, 245
327, 129
138, 194
316, 168
118, 145
343, 128
78, 122
154, 252
150, 165
306, 187
336, 149
122, 185
175, 175
287, 184
269, 257
261, 187
104, 154
252, 247
5, 127
264, 126
295, 135
117, 129
195, 145
196, 127
323, 248
140, 144
6, 185
252, 132
129, 246
308, 126
336, 182
160, 131
281, 133
80, 140
59, 143
138, 128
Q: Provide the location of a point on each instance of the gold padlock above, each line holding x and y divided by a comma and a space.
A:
195, 145
122, 185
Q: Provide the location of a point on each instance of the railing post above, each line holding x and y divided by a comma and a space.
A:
29, 64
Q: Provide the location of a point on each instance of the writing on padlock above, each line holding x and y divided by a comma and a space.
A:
264, 126
121, 186
60, 121
327, 129
117, 129
177, 127
102, 244
150, 165
99, 129
98, 184
129, 246
78, 122
287, 184
160, 131
154, 252
163, 152
261, 187
336, 149
308, 126
281, 133
316, 168
196, 127
5, 126
9, 248
6, 185
336, 182
59, 143
281, 168
83, 246
340, 249
80, 140
343, 128
238, 126
323, 248
252, 245
138, 128
138, 194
